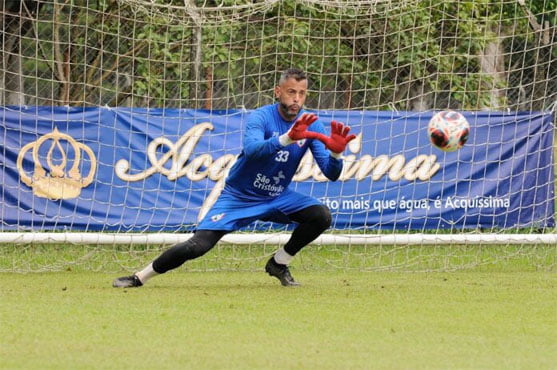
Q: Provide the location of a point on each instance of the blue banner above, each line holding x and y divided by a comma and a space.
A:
129, 169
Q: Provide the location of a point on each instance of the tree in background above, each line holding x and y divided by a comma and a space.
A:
414, 55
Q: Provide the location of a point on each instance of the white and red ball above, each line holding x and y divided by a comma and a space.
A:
448, 130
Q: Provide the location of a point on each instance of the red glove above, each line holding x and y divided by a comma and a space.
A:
299, 130
339, 138
336, 143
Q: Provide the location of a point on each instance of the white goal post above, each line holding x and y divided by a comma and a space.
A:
281, 238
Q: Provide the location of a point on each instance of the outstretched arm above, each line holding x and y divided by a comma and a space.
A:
336, 143
330, 163
256, 146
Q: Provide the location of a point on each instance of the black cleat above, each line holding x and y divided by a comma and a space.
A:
281, 272
127, 282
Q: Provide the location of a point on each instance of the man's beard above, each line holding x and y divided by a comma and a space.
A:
286, 110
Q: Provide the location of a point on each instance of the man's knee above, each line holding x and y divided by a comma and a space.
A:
321, 216
199, 244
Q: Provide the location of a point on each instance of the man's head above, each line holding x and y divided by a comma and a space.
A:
291, 92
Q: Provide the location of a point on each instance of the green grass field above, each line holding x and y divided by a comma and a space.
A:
336, 320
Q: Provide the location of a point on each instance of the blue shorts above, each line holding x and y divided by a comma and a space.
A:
230, 213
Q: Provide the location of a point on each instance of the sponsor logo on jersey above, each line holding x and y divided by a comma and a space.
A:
262, 182
278, 177
216, 218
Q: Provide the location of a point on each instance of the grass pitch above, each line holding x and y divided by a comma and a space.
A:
336, 320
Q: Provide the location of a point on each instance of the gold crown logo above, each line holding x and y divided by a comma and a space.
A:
57, 183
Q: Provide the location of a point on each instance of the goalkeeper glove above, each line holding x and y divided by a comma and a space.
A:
299, 131
336, 143
339, 138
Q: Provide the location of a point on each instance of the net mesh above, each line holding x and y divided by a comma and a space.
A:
381, 55
404, 55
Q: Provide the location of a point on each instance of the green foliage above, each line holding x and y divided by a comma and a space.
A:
543, 10
432, 47
429, 52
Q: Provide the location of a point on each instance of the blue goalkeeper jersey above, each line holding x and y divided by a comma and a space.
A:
265, 168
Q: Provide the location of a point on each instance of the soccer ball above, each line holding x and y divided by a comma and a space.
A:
448, 130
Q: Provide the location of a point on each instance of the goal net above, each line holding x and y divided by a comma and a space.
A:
121, 118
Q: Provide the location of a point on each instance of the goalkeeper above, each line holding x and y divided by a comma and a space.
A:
276, 138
